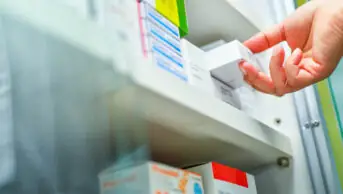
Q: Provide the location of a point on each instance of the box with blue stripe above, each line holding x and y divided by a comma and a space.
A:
164, 38
151, 15
168, 60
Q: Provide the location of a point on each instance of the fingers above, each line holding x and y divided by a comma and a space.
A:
277, 84
267, 39
256, 79
297, 73
277, 72
301, 72
306, 74
292, 67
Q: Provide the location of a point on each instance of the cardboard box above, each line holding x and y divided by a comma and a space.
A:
169, 61
226, 93
225, 60
148, 13
150, 178
155, 33
174, 11
218, 178
200, 77
162, 42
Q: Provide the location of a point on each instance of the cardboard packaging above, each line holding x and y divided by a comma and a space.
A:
150, 178
219, 178
161, 42
200, 77
148, 13
174, 11
225, 62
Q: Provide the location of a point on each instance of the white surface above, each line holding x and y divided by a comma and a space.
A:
81, 7
200, 124
224, 62
226, 93
216, 19
260, 13
199, 75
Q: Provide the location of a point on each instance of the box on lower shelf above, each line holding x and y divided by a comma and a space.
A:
218, 178
150, 178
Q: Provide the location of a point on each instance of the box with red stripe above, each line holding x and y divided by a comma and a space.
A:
218, 178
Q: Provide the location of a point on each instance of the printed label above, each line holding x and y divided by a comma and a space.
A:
159, 35
161, 21
197, 188
165, 64
165, 52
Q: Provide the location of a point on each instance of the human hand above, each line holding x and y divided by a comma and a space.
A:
315, 35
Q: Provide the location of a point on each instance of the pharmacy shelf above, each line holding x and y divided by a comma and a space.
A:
183, 125
217, 19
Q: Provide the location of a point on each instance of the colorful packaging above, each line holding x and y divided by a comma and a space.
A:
162, 42
168, 60
150, 178
219, 178
148, 13
174, 11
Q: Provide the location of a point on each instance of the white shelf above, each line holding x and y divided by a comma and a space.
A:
217, 19
186, 126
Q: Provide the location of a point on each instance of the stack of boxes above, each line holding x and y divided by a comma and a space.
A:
224, 66
174, 11
199, 64
217, 72
162, 24
162, 41
150, 178
155, 178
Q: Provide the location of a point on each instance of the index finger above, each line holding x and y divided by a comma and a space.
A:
265, 40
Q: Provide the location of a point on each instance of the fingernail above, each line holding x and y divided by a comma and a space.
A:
240, 63
276, 51
278, 93
242, 70
297, 52
297, 56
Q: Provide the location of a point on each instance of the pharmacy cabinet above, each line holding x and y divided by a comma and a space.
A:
79, 94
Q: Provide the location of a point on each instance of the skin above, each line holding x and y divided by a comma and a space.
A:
314, 33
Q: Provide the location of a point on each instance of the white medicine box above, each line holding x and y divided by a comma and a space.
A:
150, 178
218, 178
225, 60
200, 77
